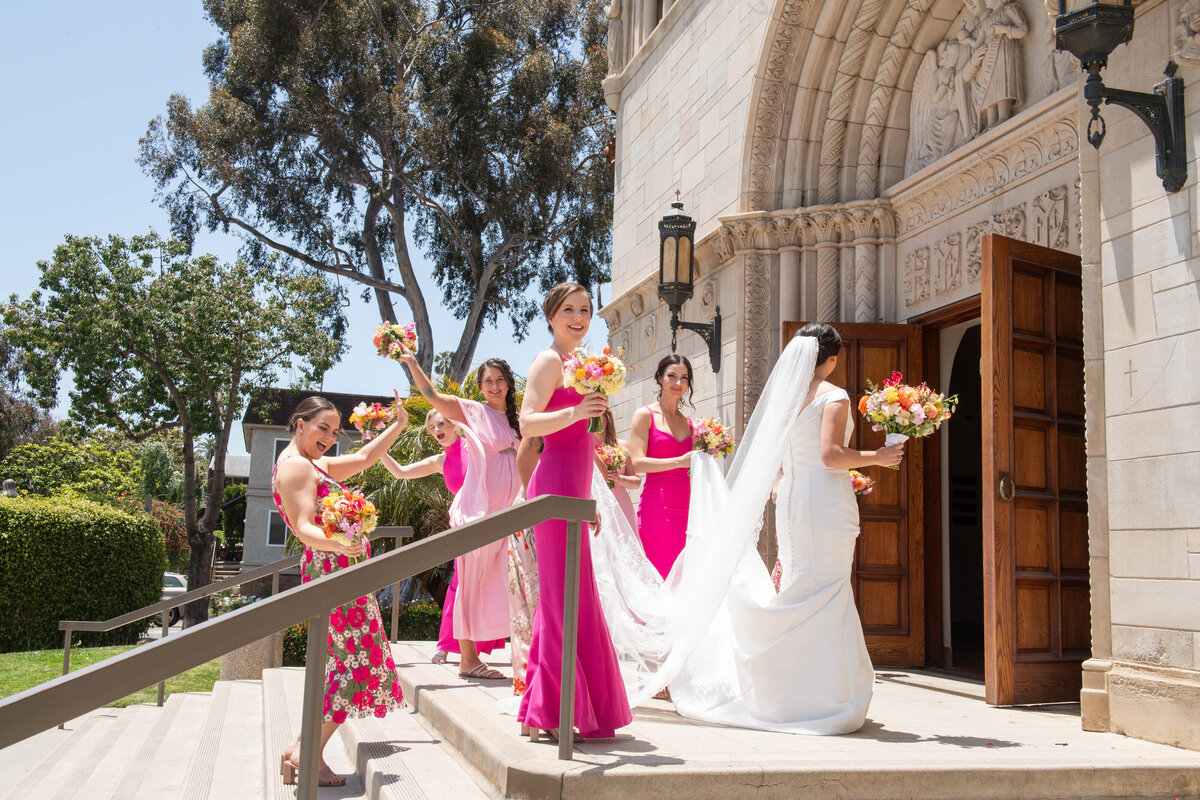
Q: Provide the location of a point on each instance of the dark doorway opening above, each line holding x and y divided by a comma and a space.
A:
966, 507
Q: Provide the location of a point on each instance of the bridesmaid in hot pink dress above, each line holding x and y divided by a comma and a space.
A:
661, 445
559, 415
452, 463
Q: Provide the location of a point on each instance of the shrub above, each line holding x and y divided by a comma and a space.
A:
67, 557
418, 622
171, 523
89, 467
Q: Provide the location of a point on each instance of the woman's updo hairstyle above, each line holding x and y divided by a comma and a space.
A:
557, 296
829, 342
667, 361
308, 409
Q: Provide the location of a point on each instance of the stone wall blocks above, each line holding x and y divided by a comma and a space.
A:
1168, 604
1148, 554
1163, 648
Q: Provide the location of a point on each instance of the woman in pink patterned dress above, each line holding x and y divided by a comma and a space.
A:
491, 435
559, 415
452, 463
360, 674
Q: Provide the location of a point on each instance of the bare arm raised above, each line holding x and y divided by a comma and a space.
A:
418, 469
447, 404
342, 467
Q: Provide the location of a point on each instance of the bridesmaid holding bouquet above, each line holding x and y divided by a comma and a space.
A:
661, 447
560, 416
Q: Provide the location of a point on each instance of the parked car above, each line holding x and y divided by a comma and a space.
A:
174, 585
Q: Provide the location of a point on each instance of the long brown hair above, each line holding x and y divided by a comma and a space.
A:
308, 409
510, 397
610, 429
557, 296
667, 361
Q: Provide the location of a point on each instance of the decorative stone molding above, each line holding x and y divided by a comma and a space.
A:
708, 297
636, 305
757, 341
1008, 161
649, 335
1185, 33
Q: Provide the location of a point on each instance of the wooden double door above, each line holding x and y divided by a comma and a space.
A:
1034, 502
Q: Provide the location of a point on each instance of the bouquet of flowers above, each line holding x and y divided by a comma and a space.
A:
613, 458
709, 435
346, 515
777, 574
391, 340
902, 411
861, 483
594, 372
372, 419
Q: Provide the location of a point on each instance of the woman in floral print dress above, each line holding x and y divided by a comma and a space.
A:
360, 673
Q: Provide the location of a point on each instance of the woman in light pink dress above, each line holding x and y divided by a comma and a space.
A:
623, 480
452, 463
491, 436
560, 415
661, 447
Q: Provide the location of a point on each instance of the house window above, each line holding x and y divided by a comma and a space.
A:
276, 529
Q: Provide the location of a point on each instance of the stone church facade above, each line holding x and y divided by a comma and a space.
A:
867, 163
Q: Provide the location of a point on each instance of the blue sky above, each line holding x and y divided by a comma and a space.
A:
81, 80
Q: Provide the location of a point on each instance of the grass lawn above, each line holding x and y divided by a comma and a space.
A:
19, 671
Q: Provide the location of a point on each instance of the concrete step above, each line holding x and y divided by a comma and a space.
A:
229, 759
394, 758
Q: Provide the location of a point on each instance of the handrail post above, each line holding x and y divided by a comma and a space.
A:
166, 628
316, 656
274, 636
566, 703
66, 663
395, 609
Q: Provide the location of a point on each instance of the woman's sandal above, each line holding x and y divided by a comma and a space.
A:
439, 657
483, 672
289, 768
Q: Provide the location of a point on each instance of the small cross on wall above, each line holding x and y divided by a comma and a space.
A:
1130, 372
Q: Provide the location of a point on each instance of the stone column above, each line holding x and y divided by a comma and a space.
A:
791, 300
828, 266
866, 274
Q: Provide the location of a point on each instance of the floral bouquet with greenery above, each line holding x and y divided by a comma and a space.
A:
709, 435
345, 514
594, 372
613, 458
860, 483
902, 411
392, 340
372, 419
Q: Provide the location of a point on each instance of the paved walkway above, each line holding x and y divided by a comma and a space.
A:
927, 736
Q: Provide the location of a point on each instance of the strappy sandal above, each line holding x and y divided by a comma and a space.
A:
483, 672
289, 768
439, 657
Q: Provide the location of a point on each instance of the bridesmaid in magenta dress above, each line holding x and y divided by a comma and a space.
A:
452, 463
661, 447
559, 415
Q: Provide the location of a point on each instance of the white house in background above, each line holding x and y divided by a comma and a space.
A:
264, 427
237, 469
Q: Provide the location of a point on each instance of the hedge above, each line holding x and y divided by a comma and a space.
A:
417, 622
66, 557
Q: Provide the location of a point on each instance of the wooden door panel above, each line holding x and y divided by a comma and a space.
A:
1036, 596
888, 575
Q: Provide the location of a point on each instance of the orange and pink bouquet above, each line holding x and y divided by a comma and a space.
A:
860, 483
346, 515
594, 372
709, 435
372, 419
902, 411
613, 458
392, 340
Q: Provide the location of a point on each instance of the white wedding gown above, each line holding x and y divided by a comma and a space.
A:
732, 650
793, 661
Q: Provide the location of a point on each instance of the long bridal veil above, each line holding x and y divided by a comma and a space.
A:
678, 627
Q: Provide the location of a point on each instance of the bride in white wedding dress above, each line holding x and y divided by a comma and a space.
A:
732, 650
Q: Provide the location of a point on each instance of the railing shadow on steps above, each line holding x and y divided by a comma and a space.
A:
64, 698
163, 607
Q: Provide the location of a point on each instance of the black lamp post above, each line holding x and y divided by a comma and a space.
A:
676, 233
1091, 30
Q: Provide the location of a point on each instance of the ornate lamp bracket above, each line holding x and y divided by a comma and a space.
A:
711, 333
1161, 110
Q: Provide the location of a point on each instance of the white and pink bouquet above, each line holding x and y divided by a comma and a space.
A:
902, 411
594, 372
346, 515
613, 458
392, 340
372, 419
709, 435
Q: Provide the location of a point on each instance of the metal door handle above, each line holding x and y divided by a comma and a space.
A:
1005, 488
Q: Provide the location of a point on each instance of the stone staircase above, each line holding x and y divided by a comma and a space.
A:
226, 745
225, 569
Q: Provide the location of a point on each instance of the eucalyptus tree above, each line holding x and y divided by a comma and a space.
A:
156, 340
336, 130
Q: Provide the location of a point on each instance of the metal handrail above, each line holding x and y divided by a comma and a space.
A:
64, 698
163, 607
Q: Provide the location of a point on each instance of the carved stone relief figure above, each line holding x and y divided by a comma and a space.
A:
1000, 63
617, 35
649, 335
941, 107
1059, 70
949, 274
1186, 34
636, 305
708, 296
916, 277
1051, 226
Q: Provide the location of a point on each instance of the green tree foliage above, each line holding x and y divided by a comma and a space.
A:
61, 464
70, 558
233, 517
158, 471
334, 127
156, 340
21, 420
